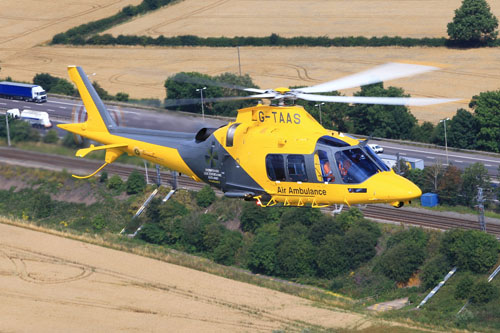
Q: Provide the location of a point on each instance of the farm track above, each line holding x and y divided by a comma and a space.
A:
434, 220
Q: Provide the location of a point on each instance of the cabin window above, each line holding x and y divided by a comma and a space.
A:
324, 170
354, 166
275, 166
296, 168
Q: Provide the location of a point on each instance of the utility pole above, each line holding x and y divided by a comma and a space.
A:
8, 132
480, 208
239, 62
445, 139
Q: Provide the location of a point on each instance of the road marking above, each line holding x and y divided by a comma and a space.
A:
50, 110
27, 107
3, 103
442, 154
431, 157
488, 165
458, 161
62, 107
402, 154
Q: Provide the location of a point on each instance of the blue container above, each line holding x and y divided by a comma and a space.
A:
429, 199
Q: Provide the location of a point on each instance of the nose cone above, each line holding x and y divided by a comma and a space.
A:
390, 187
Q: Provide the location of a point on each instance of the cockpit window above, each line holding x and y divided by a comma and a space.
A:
296, 168
355, 166
377, 159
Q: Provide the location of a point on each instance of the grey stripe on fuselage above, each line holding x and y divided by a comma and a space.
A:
110, 123
197, 157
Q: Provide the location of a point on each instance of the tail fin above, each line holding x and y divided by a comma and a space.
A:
98, 117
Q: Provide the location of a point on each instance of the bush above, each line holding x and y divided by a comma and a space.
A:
42, 205
205, 196
51, 137
135, 183
483, 292
470, 249
115, 183
104, 177
401, 261
464, 287
434, 271
98, 223
295, 252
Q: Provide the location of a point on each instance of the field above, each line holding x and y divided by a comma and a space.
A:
288, 18
141, 72
68, 285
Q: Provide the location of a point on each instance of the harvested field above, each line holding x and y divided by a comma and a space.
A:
142, 72
59, 284
288, 18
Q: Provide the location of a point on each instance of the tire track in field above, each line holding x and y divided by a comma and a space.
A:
21, 258
94, 7
153, 30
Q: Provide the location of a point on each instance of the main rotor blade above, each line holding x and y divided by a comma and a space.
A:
410, 101
205, 82
380, 73
190, 101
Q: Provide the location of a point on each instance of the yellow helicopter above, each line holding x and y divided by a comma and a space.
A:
271, 153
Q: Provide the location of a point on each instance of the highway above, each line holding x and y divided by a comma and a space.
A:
63, 110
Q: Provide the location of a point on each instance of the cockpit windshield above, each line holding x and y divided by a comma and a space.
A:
355, 166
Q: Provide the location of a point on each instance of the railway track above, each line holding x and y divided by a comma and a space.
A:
384, 213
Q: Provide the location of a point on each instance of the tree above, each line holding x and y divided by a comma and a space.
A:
225, 252
474, 176
433, 175
473, 24
253, 216
135, 182
463, 130
450, 186
205, 196
387, 121
183, 86
487, 110
262, 252
423, 133
470, 249
295, 252
330, 259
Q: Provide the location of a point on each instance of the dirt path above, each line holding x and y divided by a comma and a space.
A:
67, 285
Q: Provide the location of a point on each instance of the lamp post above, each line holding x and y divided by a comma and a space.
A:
201, 97
8, 132
445, 139
319, 105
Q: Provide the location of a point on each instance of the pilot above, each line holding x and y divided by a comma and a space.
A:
327, 171
344, 166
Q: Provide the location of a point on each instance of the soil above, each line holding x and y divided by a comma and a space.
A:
68, 285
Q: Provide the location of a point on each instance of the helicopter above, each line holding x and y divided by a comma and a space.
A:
271, 154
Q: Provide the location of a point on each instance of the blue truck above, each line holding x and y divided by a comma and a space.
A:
25, 92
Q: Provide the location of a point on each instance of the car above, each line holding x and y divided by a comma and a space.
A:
376, 148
